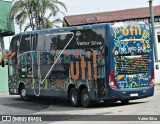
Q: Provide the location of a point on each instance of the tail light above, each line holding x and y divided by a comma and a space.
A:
111, 80
152, 78
112, 24
146, 23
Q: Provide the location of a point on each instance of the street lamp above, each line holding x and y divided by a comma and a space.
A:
153, 29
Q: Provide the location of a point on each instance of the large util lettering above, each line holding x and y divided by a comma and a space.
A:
83, 64
132, 31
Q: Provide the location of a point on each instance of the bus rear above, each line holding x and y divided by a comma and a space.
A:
131, 59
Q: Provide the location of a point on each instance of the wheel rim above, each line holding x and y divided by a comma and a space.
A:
74, 97
23, 92
85, 98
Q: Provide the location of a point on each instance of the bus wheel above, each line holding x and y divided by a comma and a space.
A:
124, 102
85, 98
23, 93
74, 97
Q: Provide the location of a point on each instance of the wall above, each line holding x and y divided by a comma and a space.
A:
157, 32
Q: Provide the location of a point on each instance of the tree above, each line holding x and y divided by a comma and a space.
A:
40, 13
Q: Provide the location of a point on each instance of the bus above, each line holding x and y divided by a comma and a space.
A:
107, 61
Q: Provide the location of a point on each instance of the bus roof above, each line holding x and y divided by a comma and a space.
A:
63, 29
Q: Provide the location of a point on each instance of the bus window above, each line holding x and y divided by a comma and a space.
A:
34, 41
90, 38
28, 43
13, 45
50, 42
59, 72
41, 41
14, 48
53, 43
57, 41
25, 44
63, 40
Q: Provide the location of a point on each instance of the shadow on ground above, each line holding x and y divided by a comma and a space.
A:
57, 104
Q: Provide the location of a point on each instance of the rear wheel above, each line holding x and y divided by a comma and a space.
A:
125, 101
85, 98
23, 93
74, 97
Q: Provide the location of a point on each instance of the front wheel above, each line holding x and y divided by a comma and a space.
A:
23, 93
85, 98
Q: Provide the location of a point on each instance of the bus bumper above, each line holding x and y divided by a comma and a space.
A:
130, 94
13, 91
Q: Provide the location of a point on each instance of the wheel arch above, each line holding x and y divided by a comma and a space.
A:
20, 84
81, 87
69, 89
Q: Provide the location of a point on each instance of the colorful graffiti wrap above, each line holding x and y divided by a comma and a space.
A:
74, 66
131, 50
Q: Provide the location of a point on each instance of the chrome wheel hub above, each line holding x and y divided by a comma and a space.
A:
23, 92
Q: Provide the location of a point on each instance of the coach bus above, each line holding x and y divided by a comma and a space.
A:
84, 63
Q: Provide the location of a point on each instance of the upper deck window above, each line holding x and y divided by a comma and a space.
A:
14, 45
89, 38
28, 43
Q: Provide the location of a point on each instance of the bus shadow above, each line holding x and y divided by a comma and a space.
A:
115, 104
55, 104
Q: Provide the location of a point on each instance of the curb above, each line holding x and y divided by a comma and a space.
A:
5, 93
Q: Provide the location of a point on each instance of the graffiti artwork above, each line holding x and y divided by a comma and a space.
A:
131, 50
92, 62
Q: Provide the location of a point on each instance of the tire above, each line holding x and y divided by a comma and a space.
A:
85, 98
23, 93
125, 102
75, 98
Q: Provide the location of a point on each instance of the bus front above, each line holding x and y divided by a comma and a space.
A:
131, 73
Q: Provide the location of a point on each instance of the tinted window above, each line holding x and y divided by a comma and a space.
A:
13, 45
90, 38
57, 41
28, 43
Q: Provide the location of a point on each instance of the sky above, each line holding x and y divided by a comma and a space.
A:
92, 6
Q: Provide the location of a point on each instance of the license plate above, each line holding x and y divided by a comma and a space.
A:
134, 94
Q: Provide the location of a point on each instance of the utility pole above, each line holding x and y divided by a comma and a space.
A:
153, 29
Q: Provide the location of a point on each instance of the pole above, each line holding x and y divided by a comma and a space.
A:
153, 29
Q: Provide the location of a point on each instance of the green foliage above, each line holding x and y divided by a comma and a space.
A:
40, 13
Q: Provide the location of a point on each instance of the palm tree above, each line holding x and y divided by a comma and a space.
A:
40, 13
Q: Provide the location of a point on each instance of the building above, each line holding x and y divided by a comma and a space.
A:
6, 24
136, 14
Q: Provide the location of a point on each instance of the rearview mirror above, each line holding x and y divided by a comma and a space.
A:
3, 65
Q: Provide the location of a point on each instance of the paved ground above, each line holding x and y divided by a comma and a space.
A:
12, 105
3, 79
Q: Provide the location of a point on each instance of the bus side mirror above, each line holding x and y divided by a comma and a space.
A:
3, 65
157, 66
